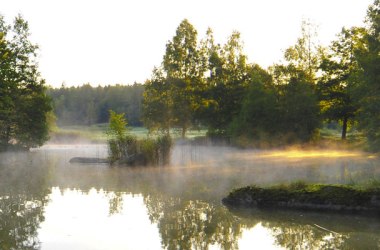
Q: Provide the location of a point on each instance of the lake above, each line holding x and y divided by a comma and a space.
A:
48, 203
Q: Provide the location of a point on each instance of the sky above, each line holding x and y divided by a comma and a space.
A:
106, 42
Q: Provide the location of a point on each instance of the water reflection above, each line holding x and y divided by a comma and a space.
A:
193, 224
47, 203
298, 230
78, 219
23, 193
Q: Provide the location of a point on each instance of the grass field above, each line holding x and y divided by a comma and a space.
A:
97, 133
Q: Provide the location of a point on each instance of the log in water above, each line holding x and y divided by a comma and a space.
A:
88, 160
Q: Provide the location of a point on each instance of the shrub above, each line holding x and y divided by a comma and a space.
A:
126, 149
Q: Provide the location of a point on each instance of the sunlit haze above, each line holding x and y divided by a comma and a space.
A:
116, 41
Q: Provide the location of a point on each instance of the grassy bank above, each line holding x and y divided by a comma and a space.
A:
302, 196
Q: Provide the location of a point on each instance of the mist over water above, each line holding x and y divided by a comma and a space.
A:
59, 205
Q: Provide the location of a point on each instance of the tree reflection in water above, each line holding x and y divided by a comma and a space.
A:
23, 191
183, 202
299, 230
193, 224
20, 217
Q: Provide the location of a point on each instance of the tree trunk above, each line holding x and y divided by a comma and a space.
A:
344, 128
183, 132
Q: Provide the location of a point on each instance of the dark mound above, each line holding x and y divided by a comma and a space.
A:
316, 197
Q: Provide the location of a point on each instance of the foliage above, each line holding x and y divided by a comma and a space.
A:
117, 125
278, 114
306, 54
340, 76
228, 86
127, 149
260, 110
299, 109
157, 104
368, 91
87, 105
24, 106
121, 144
183, 72
183, 93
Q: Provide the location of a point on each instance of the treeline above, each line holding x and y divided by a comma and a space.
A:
87, 105
212, 85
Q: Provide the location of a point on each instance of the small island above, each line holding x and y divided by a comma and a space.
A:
312, 197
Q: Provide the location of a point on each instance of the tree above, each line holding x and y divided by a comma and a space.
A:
174, 86
157, 103
208, 112
184, 72
24, 105
295, 83
340, 75
299, 109
368, 91
306, 54
260, 112
285, 113
127, 149
86, 105
182, 58
227, 82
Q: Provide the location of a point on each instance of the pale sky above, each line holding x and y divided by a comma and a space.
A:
120, 41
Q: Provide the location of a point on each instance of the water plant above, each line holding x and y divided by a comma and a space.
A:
126, 149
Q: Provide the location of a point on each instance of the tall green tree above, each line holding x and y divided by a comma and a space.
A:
182, 57
299, 109
306, 53
340, 76
295, 83
273, 114
368, 92
227, 82
213, 62
184, 74
176, 86
24, 104
260, 111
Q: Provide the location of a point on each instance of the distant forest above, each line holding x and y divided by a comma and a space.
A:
87, 105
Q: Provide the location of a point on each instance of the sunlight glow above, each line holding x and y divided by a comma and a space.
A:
257, 237
76, 220
312, 154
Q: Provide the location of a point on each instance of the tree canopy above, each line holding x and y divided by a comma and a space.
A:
24, 105
201, 83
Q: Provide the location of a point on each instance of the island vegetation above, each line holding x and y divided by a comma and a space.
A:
302, 196
126, 149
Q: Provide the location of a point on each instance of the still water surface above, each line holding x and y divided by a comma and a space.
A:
48, 203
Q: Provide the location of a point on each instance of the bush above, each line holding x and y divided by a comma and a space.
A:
125, 149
